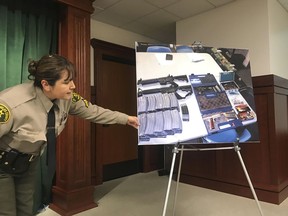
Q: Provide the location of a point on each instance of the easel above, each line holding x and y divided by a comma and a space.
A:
176, 150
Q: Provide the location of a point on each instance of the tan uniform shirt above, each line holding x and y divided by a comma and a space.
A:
23, 116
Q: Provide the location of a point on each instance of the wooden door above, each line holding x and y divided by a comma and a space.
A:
114, 147
115, 152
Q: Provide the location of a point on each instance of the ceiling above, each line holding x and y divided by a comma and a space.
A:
155, 19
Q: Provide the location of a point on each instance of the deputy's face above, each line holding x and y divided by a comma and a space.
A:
62, 89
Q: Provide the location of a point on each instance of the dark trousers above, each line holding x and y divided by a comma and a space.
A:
17, 192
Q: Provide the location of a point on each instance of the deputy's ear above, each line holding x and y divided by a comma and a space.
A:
45, 85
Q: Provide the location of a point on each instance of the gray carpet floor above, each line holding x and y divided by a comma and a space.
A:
143, 194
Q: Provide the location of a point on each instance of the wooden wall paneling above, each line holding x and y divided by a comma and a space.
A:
151, 157
266, 161
73, 191
281, 129
199, 163
258, 165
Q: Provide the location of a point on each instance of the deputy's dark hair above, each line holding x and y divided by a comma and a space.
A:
49, 68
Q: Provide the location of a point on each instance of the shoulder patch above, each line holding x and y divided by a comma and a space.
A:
4, 114
76, 97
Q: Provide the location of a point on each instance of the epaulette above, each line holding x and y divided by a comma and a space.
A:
19, 94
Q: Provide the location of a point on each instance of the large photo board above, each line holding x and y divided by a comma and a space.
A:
194, 94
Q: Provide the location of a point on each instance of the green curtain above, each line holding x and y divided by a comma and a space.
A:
24, 36
11, 47
28, 30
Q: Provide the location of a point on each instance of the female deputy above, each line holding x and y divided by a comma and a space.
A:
23, 120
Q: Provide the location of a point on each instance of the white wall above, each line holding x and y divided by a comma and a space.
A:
241, 24
278, 38
114, 35
258, 25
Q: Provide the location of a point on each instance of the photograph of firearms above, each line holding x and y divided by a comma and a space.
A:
163, 80
173, 88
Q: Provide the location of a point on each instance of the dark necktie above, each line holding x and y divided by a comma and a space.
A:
51, 143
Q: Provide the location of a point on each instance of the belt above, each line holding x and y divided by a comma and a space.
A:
14, 162
15, 153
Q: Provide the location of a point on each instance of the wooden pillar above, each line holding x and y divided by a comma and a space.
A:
73, 191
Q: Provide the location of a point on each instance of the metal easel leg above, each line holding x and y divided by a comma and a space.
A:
178, 179
175, 151
237, 149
